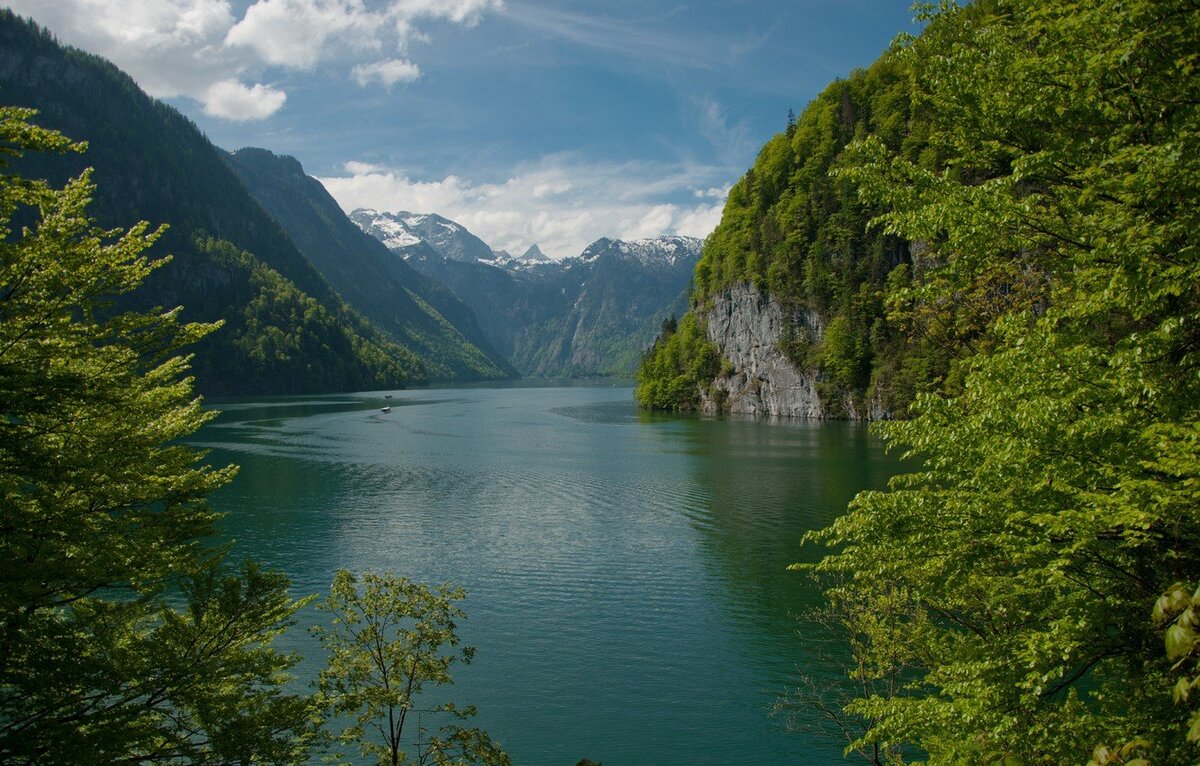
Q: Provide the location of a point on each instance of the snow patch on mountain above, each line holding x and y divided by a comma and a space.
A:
401, 230
666, 251
392, 233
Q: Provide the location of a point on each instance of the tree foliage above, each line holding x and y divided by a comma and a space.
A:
797, 230
1059, 491
103, 512
151, 163
389, 642
679, 367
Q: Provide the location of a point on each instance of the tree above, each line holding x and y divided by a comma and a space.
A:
678, 367
868, 631
388, 640
1059, 491
669, 325
103, 512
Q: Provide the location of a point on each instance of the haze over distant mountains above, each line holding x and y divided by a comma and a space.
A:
592, 314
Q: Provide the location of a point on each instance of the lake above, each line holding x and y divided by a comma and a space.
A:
625, 572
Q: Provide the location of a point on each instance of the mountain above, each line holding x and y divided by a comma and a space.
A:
788, 315
609, 304
413, 309
593, 314
533, 255
286, 330
402, 229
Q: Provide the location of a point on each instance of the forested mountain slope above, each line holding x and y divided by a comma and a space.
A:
789, 292
416, 311
612, 299
286, 330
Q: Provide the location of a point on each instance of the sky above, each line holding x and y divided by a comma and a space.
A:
553, 122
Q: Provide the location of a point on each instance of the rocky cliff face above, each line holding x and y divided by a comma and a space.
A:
747, 326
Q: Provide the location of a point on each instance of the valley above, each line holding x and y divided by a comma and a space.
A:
299, 462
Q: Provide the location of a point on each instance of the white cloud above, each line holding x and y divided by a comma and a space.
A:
194, 47
550, 189
388, 72
171, 47
234, 101
560, 203
467, 12
299, 33
363, 168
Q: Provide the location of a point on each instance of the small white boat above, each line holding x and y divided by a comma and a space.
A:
385, 409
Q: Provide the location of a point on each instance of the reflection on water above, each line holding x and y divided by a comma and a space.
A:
625, 572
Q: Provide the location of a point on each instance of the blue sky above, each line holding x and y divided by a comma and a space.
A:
553, 122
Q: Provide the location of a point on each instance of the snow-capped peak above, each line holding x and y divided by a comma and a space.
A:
387, 228
403, 229
666, 250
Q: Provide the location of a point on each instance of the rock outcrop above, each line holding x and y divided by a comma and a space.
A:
747, 325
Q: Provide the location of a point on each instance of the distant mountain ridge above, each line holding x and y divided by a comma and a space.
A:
413, 309
657, 252
591, 314
286, 330
402, 230
272, 265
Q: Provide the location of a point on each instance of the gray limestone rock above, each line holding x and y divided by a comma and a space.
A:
747, 325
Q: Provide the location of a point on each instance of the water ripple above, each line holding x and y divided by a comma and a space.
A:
626, 574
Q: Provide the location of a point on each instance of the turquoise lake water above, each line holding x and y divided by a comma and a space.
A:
626, 573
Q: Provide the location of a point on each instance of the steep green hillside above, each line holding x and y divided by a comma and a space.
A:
278, 339
670, 375
796, 230
413, 309
1032, 576
286, 330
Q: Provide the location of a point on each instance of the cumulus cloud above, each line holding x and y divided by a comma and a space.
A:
234, 101
196, 48
387, 72
299, 33
560, 204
